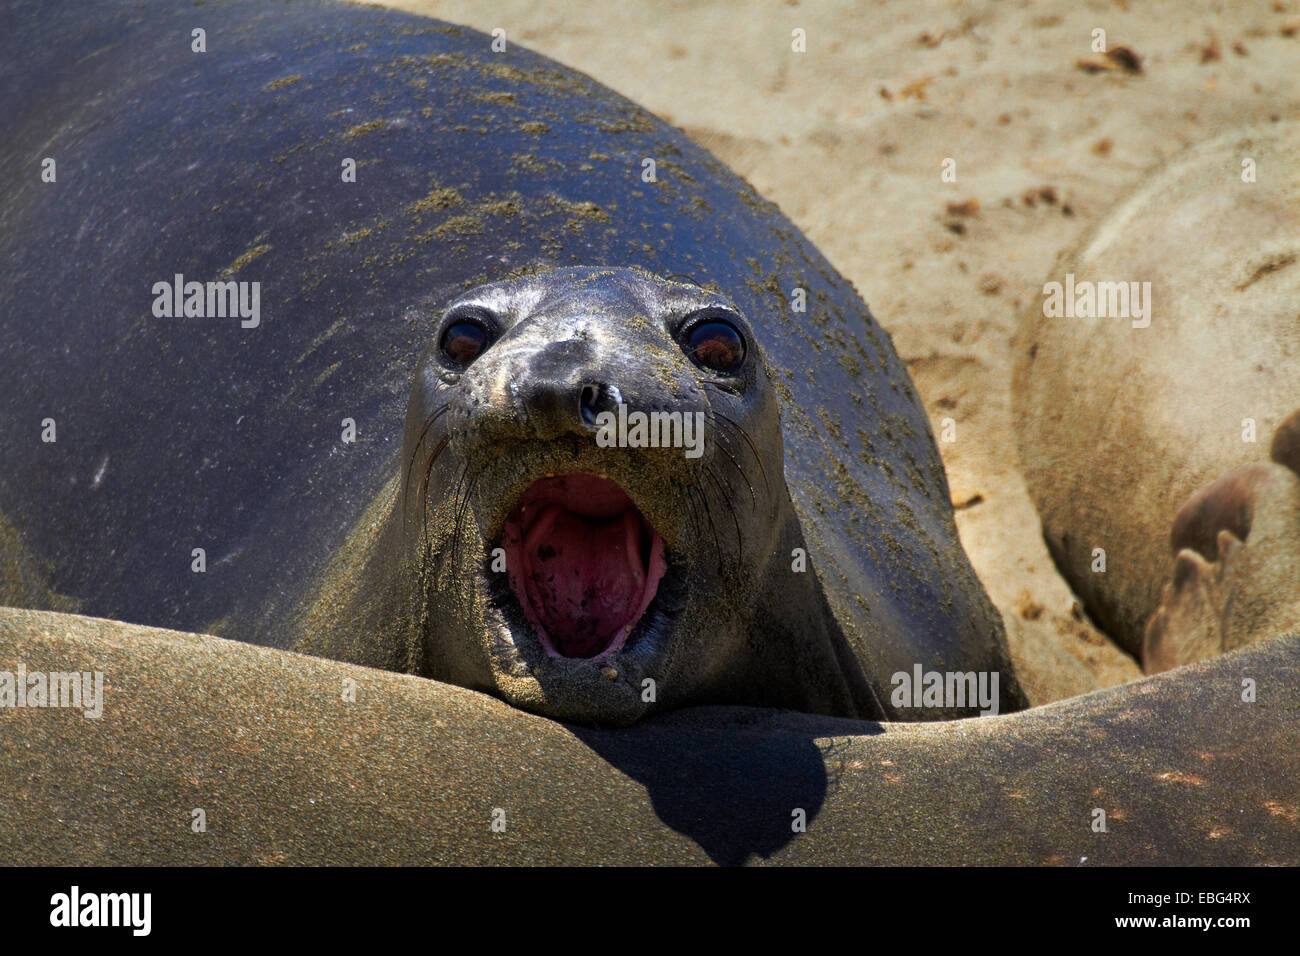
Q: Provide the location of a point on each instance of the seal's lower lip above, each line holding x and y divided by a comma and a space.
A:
583, 563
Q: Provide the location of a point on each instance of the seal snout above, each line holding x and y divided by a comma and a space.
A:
584, 563
544, 393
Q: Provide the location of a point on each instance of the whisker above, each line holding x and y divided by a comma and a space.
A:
406, 484
464, 510
722, 490
753, 500
744, 434
424, 431
717, 546
445, 553
695, 517
419, 441
750, 442
424, 487
459, 510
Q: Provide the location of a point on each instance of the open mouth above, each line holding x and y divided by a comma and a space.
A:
583, 563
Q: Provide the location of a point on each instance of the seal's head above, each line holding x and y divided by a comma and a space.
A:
596, 509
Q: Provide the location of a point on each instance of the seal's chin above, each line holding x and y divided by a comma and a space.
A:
583, 563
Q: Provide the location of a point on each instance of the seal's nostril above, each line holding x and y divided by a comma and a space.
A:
596, 398
589, 404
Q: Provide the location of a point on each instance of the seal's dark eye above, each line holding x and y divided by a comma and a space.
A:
715, 345
463, 342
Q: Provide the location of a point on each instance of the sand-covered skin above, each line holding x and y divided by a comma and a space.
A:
848, 139
289, 768
1163, 409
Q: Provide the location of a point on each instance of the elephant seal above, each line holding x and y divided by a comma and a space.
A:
1180, 433
528, 554
279, 205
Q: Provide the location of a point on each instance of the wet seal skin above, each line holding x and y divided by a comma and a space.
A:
1177, 452
369, 170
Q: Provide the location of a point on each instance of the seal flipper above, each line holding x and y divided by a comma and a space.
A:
1236, 571
1188, 625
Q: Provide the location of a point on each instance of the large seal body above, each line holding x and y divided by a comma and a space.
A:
203, 475
1175, 434
1186, 772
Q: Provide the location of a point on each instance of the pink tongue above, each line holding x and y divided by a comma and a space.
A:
585, 580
